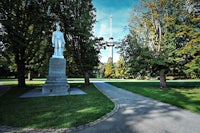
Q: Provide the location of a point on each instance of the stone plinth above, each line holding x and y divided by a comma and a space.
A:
56, 82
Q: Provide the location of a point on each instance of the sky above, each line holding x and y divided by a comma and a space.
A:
120, 11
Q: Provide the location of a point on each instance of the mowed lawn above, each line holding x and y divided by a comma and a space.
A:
52, 112
181, 93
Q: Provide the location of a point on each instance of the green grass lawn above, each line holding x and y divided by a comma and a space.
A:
70, 111
52, 112
181, 93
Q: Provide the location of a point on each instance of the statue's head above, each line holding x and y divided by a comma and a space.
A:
57, 27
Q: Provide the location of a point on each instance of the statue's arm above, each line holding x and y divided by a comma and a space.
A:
63, 39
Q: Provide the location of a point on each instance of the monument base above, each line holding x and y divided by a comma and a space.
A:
55, 56
56, 82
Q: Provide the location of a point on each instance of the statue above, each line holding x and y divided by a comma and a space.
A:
58, 42
56, 83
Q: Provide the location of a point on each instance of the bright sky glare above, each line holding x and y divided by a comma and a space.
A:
120, 11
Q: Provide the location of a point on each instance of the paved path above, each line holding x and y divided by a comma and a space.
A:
138, 114
3, 89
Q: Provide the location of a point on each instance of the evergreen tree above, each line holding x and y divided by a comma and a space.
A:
136, 55
189, 36
109, 69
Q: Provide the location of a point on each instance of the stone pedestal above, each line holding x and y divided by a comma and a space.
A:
56, 82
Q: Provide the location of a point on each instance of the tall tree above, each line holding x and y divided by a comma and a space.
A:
25, 24
32, 23
136, 55
154, 19
169, 32
189, 34
82, 45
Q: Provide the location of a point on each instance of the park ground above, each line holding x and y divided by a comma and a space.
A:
87, 108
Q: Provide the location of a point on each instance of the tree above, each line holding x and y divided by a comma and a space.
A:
121, 69
101, 70
154, 20
165, 33
83, 45
136, 55
32, 22
109, 69
189, 34
175, 30
25, 25
78, 18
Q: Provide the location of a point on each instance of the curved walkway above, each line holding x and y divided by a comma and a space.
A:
138, 114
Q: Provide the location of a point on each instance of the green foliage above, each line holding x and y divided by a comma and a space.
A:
53, 112
136, 55
101, 69
26, 33
77, 18
109, 69
121, 69
26, 26
193, 68
164, 37
191, 39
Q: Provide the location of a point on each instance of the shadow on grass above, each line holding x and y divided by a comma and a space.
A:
53, 112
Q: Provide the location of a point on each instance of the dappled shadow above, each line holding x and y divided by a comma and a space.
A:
177, 94
53, 112
140, 114
137, 114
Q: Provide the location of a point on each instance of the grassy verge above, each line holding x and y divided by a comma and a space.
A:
52, 112
184, 94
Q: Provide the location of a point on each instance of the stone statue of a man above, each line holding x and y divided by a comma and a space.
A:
58, 42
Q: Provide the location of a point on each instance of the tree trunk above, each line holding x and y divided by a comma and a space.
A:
30, 77
20, 61
21, 73
87, 79
163, 83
